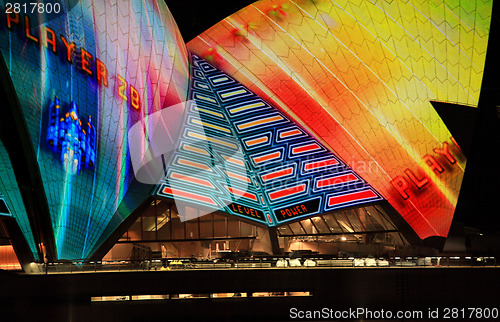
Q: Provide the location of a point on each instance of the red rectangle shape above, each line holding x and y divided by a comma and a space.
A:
277, 174
320, 164
332, 181
188, 195
241, 193
260, 140
287, 192
289, 133
360, 195
194, 180
238, 177
267, 157
306, 148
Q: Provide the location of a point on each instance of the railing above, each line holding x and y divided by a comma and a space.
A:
271, 262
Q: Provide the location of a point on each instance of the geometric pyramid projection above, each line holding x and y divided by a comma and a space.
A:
238, 154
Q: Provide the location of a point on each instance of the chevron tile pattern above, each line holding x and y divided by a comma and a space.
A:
359, 76
137, 41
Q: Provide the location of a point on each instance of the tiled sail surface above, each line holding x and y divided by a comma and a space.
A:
285, 173
141, 53
359, 75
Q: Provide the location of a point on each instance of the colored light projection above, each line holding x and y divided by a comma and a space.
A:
66, 135
82, 79
282, 174
359, 75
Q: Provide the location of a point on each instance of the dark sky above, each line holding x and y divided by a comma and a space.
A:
479, 200
193, 18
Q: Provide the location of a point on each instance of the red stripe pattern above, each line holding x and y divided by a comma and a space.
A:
306, 148
188, 195
356, 196
333, 181
267, 157
277, 174
320, 164
287, 192
241, 193
290, 133
193, 180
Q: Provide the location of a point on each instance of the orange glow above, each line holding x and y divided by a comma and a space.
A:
360, 76
8, 258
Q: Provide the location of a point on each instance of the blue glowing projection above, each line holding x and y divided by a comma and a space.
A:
285, 173
83, 78
72, 140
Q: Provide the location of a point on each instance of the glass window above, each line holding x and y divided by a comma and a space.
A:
233, 228
191, 213
148, 227
308, 226
247, 230
135, 232
219, 226
377, 221
332, 224
362, 215
177, 229
206, 226
354, 220
164, 229
284, 230
192, 229
384, 218
399, 239
371, 224
297, 229
320, 225
343, 222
